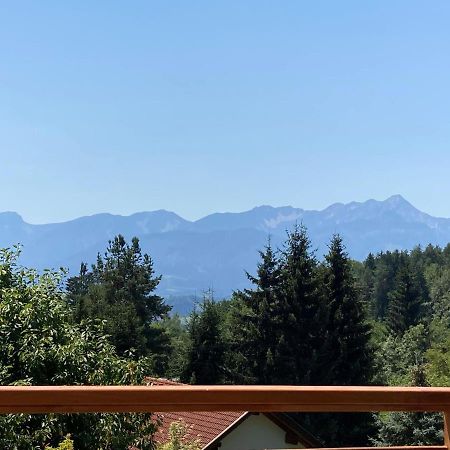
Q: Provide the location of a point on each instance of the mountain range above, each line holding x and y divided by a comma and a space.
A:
215, 251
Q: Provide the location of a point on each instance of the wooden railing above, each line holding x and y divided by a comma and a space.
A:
90, 399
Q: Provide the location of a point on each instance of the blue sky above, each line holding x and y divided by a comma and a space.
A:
201, 106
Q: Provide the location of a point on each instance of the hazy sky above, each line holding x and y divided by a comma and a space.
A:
202, 106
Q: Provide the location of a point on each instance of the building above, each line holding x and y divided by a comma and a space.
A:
229, 430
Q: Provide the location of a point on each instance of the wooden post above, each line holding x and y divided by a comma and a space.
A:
447, 429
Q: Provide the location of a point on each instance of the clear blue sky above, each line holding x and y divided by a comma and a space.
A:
202, 106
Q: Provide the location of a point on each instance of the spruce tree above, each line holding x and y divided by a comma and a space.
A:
347, 349
366, 286
300, 307
120, 289
257, 324
405, 300
386, 267
204, 361
346, 354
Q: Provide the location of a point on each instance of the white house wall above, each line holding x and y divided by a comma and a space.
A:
257, 432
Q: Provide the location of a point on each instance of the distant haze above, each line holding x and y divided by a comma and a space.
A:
215, 251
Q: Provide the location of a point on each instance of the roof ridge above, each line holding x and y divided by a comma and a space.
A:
155, 381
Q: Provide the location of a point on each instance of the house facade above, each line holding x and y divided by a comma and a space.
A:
230, 430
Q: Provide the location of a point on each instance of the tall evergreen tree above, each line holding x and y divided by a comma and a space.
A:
204, 362
347, 356
385, 269
77, 289
405, 300
120, 288
257, 325
348, 352
300, 306
366, 285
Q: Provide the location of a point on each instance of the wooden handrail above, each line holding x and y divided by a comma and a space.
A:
89, 399
402, 447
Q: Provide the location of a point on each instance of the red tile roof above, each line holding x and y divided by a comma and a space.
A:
204, 426
151, 381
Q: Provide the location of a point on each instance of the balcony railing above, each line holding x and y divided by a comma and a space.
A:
91, 399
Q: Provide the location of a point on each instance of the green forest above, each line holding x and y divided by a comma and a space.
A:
307, 319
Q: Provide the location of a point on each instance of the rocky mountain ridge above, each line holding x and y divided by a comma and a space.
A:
214, 252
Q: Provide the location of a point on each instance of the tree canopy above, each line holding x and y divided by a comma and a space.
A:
120, 289
40, 345
303, 320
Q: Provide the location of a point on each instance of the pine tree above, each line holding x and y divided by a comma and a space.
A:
300, 307
346, 354
78, 288
386, 268
405, 301
204, 362
366, 286
257, 322
120, 288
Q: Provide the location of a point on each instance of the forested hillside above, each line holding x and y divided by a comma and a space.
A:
305, 320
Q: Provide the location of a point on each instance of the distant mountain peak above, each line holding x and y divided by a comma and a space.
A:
402, 206
157, 212
217, 249
397, 200
396, 197
263, 208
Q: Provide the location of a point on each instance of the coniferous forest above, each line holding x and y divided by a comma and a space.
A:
307, 319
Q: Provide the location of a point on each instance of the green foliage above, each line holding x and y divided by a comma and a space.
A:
346, 354
40, 345
120, 289
175, 327
408, 294
411, 359
437, 355
204, 363
384, 321
66, 444
277, 325
404, 361
400, 428
379, 280
405, 300
438, 280
301, 308
397, 356
303, 323
257, 325
179, 438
